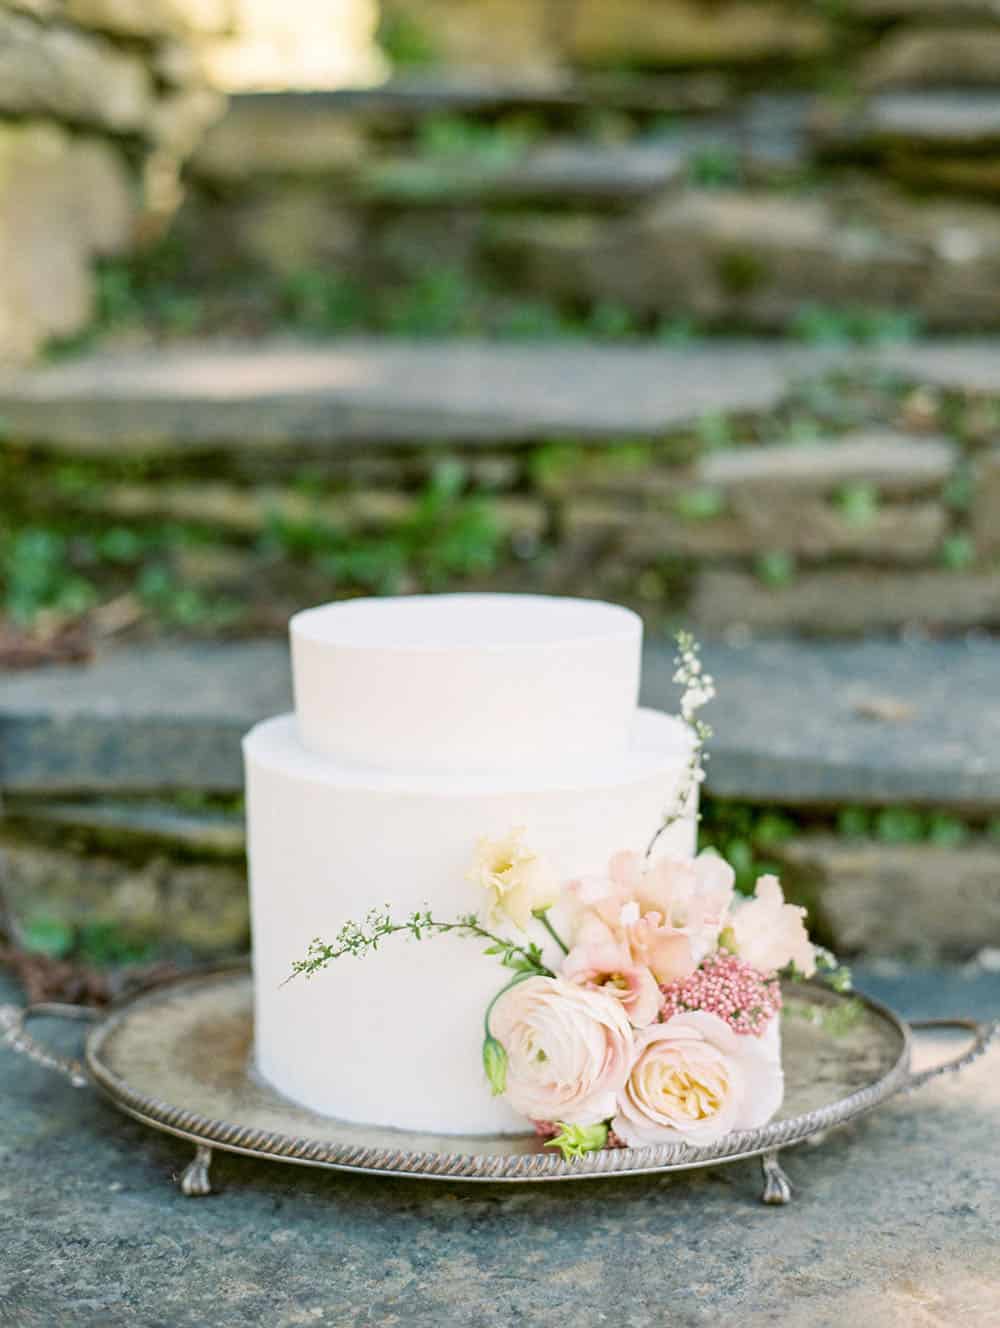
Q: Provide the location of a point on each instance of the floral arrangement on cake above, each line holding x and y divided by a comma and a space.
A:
658, 1021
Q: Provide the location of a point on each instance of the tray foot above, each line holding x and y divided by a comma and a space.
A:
777, 1187
194, 1181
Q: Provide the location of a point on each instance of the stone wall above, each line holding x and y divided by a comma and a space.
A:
99, 102
737, 165
848, 492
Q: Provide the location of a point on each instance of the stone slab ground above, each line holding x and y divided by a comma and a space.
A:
798, 724
894, 1224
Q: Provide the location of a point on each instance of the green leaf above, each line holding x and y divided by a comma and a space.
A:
775, 569
859, 503
958, 552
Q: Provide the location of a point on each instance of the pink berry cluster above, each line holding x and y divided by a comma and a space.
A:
726, 986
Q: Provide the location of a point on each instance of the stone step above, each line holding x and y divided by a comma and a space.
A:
861, 887
454, 92
946, 120
797, 724
295, 397
124, 825
557, 174
846, 600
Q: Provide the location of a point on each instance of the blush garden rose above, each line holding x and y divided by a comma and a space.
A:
693, 1080
569, 1050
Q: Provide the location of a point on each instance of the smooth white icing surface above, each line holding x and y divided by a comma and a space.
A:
466, 683
395, 1038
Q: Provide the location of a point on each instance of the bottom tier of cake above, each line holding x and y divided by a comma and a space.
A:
395, 1038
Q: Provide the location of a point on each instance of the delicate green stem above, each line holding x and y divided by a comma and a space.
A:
542, 914
520, 977
353, 940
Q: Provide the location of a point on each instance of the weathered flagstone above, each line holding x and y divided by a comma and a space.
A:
846, 601
892, 899
792, 721
299, 396
891, 1215
970, 366
166, 718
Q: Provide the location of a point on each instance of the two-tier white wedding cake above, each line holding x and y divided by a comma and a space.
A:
422, 724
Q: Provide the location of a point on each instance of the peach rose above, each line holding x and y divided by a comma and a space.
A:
569, 1050
770, 934
694, 1080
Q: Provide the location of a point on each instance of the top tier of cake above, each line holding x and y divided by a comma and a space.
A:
466, 683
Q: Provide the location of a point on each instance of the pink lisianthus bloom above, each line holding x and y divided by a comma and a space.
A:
608, 966
770, 934
694, 1080
667, 915
569, 1050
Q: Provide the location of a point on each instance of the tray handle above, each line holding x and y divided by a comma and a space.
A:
13, 1034
982, 1035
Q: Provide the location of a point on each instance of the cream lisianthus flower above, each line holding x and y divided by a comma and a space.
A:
770, 934
519, 881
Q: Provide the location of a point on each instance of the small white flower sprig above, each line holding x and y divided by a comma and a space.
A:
699, 689
361, 938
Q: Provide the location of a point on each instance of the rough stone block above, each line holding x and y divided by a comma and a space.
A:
681, 33
153, 18
492, 34
942, 120
929, 57
842, 600
152, 898
178, 119
891, 899
71, 75
267, 134
758, 522
62, 200
897, 465
720, 255
986, 505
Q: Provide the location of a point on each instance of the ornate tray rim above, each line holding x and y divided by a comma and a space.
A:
505, 1168
465, 1165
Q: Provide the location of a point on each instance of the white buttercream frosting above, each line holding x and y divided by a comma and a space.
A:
419, 729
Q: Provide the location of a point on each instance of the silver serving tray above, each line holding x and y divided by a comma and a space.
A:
178, 1058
